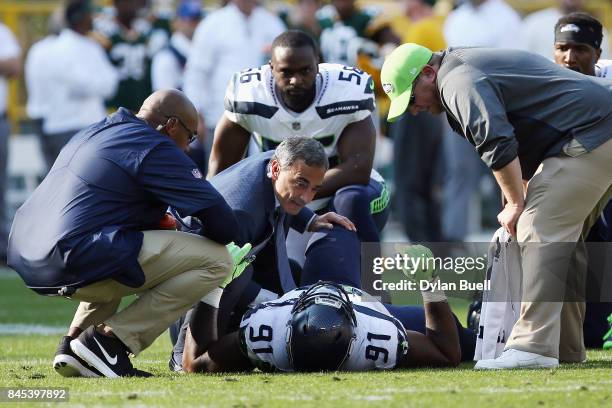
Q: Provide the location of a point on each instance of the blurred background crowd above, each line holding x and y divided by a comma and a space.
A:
65, 64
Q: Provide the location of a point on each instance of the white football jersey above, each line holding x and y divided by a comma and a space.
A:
344, 95
603, 69
380, 338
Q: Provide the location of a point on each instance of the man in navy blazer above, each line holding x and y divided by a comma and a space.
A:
271, 190
268, 192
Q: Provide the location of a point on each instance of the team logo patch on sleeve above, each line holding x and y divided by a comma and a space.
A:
196, 173
369, 86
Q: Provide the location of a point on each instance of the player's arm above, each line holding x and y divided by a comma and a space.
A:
356, 152
229, 145
439, 347
204, 352
223, 356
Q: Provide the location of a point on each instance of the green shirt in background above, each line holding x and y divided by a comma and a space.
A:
130, 51
340, 38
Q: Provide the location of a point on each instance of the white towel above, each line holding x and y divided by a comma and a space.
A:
501, 304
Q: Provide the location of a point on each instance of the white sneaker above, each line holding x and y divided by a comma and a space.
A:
512, 358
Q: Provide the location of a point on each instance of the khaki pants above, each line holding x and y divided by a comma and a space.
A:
179, 269
564, 198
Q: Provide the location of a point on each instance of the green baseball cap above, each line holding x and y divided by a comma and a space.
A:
399, 71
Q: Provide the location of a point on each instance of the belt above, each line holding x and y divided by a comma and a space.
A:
61, 291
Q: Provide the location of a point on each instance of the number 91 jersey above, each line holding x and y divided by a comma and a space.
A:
379, 344
343, 95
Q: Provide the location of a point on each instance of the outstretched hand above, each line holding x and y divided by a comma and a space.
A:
420, 265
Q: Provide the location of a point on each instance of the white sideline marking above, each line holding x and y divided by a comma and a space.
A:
491, 390
31, 329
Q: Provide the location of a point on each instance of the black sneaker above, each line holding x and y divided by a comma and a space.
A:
108, 354
68, 364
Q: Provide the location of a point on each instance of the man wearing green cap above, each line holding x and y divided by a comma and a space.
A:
533, 122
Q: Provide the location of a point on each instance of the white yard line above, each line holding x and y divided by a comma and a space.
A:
30, 329
491, 390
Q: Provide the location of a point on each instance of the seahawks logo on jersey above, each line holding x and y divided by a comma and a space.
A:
344, 95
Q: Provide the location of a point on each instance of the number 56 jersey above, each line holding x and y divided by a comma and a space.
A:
380, 340
343, 95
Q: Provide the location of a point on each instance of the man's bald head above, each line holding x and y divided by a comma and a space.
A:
168, 110
170, 102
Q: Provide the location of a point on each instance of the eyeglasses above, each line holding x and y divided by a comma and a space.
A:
412, 99
192, 134
412, 96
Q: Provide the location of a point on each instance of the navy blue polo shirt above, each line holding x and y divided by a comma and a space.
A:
111, 181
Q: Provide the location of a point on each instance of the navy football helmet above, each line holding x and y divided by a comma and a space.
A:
321, 328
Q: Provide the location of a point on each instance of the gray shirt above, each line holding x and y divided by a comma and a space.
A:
511, 103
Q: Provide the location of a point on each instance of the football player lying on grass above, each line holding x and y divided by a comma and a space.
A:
320, 327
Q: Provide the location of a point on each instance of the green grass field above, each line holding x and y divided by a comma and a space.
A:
25, 361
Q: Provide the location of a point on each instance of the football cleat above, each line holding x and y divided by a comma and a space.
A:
321, 328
